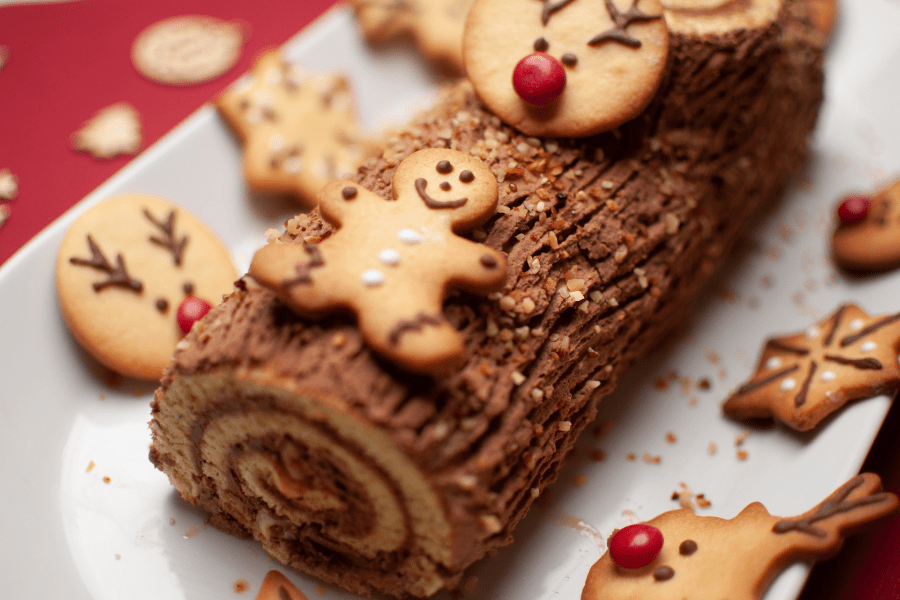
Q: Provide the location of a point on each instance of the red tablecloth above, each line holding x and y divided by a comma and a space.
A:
69, 60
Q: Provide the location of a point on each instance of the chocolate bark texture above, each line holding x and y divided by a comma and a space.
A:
290, 430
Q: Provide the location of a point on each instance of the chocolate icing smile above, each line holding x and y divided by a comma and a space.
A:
422, 183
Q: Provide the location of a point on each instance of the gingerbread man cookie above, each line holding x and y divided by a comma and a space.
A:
392, 262
681, 555
298, 128
435, 25
867, 237
804, 377
134, 272
566, 68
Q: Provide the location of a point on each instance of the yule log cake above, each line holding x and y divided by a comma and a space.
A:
380, 466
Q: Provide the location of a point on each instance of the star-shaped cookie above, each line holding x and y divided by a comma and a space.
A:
298, 128
804, 377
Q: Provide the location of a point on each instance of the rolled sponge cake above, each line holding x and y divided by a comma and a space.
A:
346, 467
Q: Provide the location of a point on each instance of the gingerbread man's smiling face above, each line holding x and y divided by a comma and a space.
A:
566, 67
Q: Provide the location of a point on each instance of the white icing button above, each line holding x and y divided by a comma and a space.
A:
277, 142
868, 346
389, 257
292, 164
408, 236
773, 363
372, 277
788, 384
856, 324
812, 332
828, 376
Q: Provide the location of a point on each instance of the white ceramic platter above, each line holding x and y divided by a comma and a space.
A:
65, 533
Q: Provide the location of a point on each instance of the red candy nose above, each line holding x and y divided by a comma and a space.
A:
635, 546
539, 78
191, 310
853, 209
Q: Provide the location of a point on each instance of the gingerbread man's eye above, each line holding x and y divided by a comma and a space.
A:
467, 176
444, 167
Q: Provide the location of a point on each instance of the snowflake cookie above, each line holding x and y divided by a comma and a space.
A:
803, 378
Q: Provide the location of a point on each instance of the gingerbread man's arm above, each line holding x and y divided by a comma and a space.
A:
475, 267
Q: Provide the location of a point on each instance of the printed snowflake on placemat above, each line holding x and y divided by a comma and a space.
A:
802, 378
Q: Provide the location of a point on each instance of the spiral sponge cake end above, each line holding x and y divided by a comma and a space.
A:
344, 466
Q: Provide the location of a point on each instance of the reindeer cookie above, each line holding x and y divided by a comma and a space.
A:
132, 274
298, 128
567, 68
867, 237
804, 377
690, 557
392, 262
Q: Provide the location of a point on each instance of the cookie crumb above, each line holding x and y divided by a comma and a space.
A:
118, 556
112, 131
470, 584
671, 437
241, 586
580, 480
660, 384
172, 521
704, 384
597, 455
4, 214
321, 590
741, 437
107, 479
712, 448
631, 456
9, 185
90, 467
741, 455
652, 459
190, 533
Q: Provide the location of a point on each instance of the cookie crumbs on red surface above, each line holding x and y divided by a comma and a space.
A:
4, 214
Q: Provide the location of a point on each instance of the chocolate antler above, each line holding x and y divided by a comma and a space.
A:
838, 504
622, 20
118, 275
552, 7
170, 243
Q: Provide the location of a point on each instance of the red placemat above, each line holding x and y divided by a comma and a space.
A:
68, 60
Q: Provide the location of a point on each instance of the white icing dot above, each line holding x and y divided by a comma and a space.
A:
868, 346
773, 363
856, 324
372, 277
389, 256
408, 236
812, 332
828, 376
788, 384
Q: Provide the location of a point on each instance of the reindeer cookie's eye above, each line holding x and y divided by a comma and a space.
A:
444, 167
687, 547
541, 45
569, 60
467, 176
